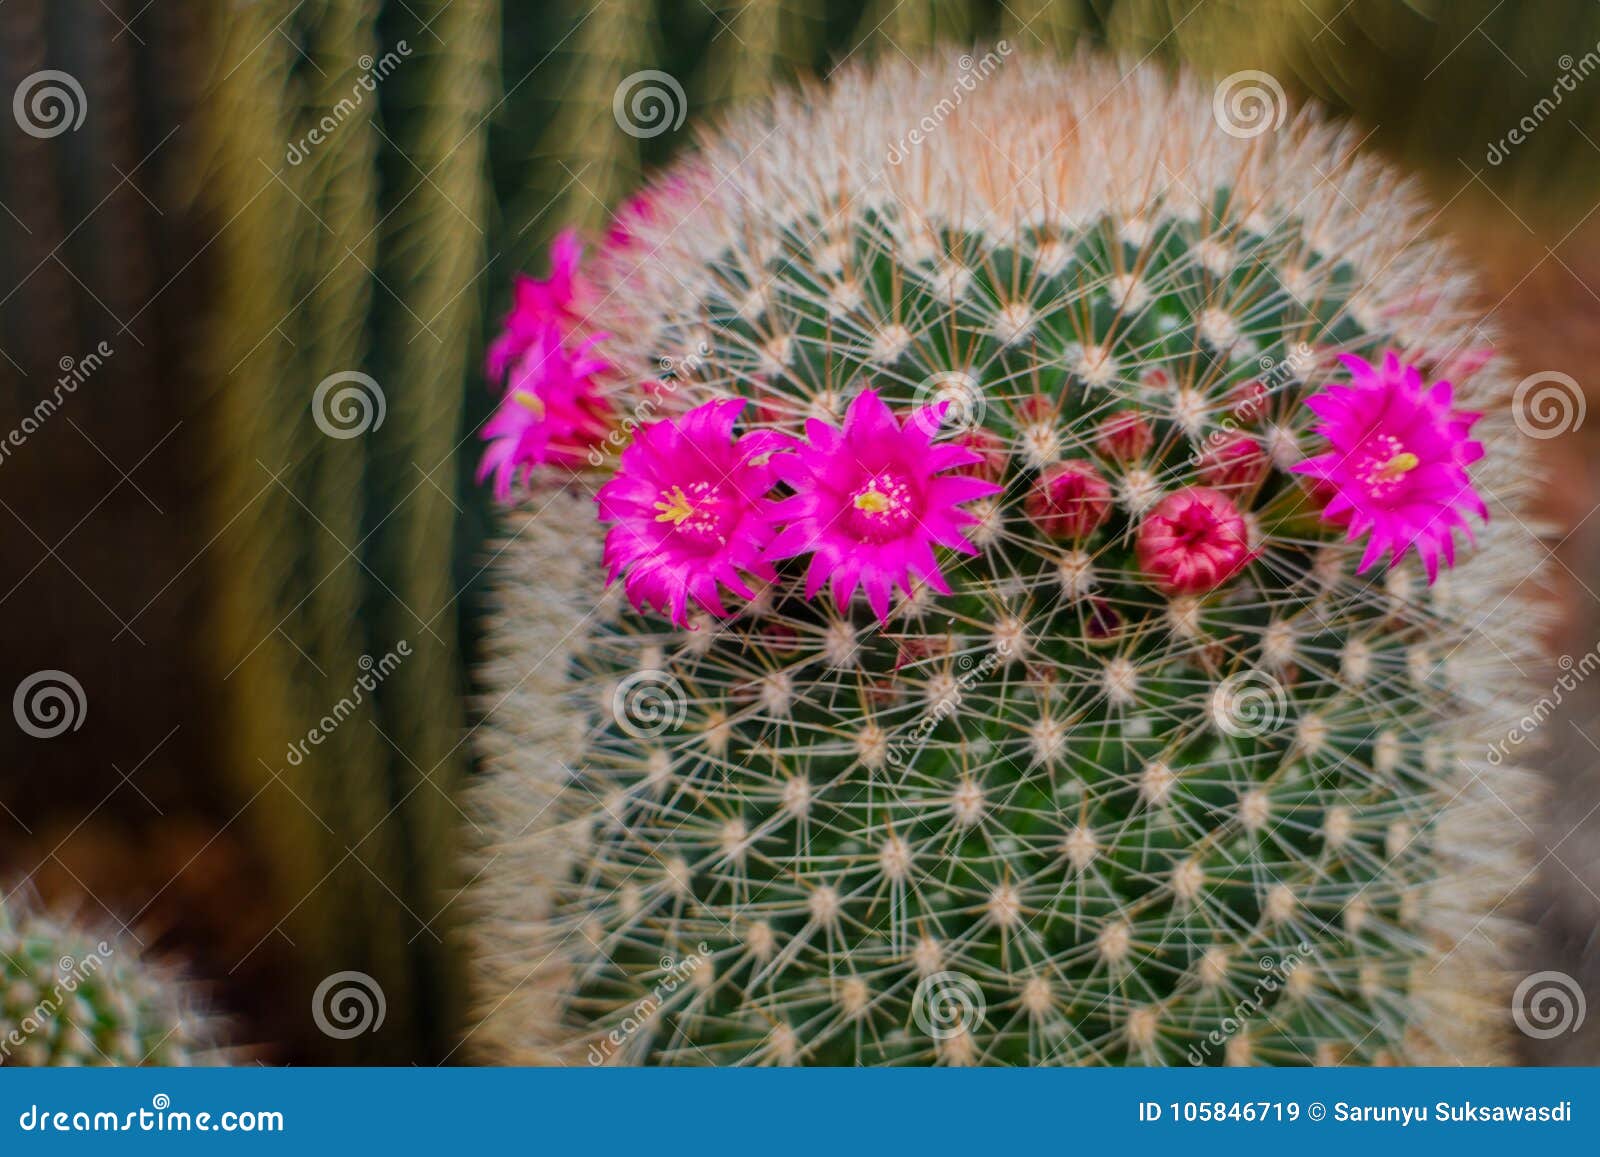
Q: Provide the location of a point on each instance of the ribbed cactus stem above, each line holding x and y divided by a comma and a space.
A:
1105, 801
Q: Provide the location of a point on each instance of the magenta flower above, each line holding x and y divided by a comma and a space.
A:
552, 415
1192, 541
689, 509
538, 304
1397, 469
872, 500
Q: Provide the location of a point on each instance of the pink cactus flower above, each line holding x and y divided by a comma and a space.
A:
1069, 500
1398, 464
1193, 541
873, 499
1234, 462
1125, 436
559, 299
552, 414
689, 510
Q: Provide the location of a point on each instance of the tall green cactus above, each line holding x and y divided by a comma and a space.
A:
1083, 808
348, 139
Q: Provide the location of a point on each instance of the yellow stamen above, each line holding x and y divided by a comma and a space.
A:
1398, 467
530, 402
676, 509
872, 501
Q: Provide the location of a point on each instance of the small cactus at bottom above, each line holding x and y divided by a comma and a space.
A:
71, 998
1123, 751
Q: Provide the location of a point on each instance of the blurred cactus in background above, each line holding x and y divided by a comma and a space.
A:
69, 996
349, 167
1167, 772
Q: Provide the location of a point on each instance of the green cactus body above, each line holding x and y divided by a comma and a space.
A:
1056, 816
70, 998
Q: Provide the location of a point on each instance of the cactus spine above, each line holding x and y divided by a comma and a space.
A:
1057, 816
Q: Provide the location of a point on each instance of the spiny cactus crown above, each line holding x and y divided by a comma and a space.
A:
1061, 814
71, 998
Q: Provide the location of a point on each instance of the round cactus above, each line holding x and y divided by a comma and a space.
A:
1038, 628
69, 997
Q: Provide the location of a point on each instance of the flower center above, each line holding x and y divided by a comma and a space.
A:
1385, 464
882, 509
701, 513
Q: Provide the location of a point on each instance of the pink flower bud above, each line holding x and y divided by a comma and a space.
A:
1248, 402
1070, 500
1234, 462
1125, 436
1192, 542
990, 448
